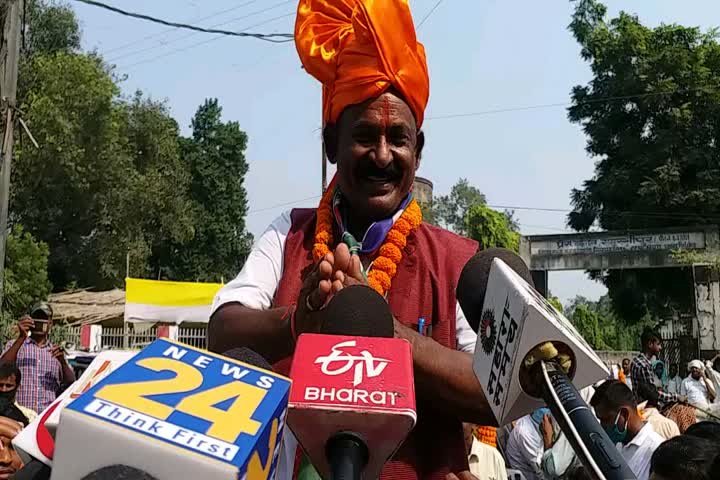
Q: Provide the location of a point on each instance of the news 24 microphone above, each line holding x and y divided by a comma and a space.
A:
36, 442
175, 411
529, 354
352, 402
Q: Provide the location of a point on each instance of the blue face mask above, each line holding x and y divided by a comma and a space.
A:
537, 415
617, 436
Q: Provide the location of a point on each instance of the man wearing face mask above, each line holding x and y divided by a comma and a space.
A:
10, 378
636, 440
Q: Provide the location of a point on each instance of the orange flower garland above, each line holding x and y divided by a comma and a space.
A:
487, 435
384, 267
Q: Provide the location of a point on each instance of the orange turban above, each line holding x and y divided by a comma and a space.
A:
358, 49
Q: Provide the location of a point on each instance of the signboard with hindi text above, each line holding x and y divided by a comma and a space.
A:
617, 250
622, 243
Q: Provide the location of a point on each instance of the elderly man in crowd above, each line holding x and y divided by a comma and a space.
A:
367, 230
699, 390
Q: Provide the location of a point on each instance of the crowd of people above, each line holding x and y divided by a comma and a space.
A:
665, 427
368, 230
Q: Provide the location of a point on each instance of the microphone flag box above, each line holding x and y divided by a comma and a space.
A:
176, 411
515, 321
357, 384
37, 440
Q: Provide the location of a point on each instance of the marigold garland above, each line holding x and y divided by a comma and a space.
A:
487, 435
384, 267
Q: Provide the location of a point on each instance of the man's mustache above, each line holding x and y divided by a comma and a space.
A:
369, 169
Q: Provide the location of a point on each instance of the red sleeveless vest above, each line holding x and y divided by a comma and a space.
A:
423, 287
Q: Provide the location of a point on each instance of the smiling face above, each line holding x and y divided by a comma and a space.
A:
377, 147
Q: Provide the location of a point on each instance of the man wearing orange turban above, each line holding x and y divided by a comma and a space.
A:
367, 229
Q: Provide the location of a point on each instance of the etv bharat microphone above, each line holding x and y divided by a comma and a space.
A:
175, 411
352, 401
528, 354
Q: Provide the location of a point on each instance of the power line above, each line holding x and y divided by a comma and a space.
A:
668, 215
314, 197
268, 37
567, 104
170, 30
437, 4
192, 34
194, 45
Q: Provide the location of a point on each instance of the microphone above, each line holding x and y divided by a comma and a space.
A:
33, 470
175, 411
118, 472
529, 354
352, 402
36, 442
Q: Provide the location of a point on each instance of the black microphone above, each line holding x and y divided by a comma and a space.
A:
357, 311
246, 355
118, 472
341, 409
33, 470
495, 289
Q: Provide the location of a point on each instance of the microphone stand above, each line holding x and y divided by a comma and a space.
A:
592, 445
347, 454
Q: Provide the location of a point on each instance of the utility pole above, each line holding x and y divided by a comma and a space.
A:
323, 155
12, 12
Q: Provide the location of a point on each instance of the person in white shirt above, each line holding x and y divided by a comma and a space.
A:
675, 380
616, 407
485, 462
712, 371
525, 447
699, 390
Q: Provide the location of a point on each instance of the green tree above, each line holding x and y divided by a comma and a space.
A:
651, 113
63, 191
156, 209
451, 210
215, 156
491, 228
465, 212
26, 277
555, 302
52, 27
598, 323
108, 180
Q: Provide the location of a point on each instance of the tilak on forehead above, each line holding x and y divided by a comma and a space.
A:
385, 112
358, 49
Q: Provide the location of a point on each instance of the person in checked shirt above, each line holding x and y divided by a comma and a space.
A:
642, 372
45, 371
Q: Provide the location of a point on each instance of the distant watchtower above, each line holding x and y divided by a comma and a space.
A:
423, 191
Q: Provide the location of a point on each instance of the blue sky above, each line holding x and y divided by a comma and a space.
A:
484, 56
